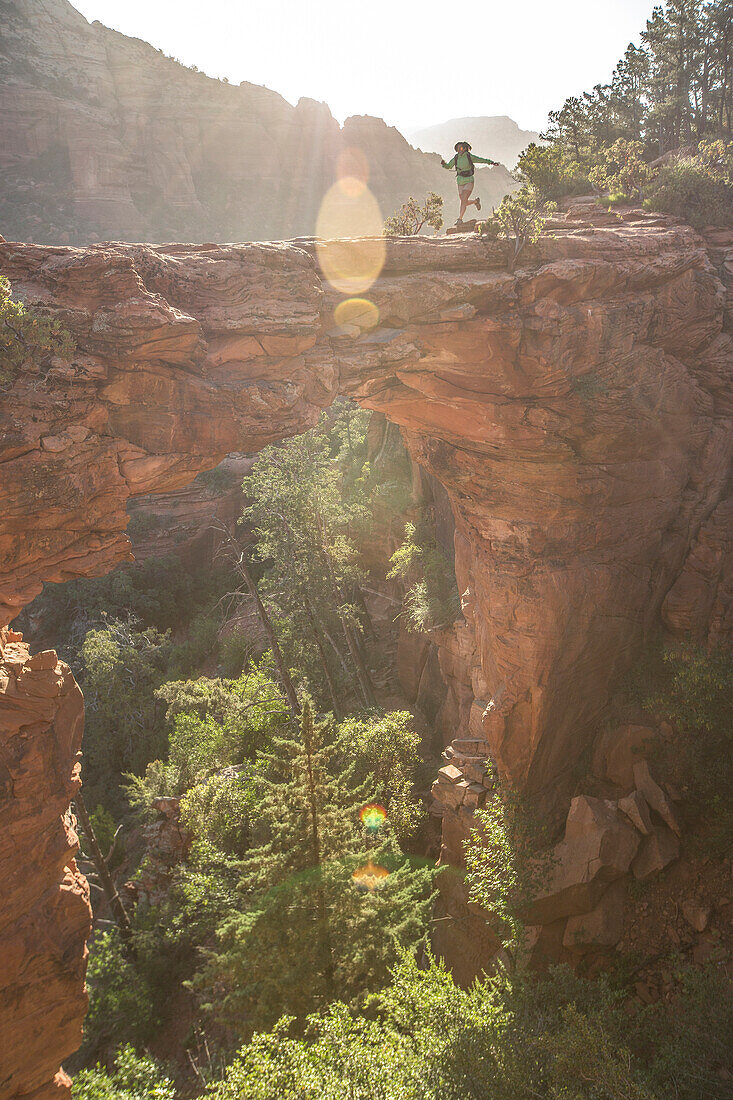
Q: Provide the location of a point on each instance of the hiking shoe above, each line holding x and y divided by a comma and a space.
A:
478, 204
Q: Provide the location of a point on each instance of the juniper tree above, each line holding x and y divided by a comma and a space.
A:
306, 933
302, 523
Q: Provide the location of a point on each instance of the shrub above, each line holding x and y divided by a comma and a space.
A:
621, 170
134, 1077
505, 861
520, 219
386, 750
555, 1037
432, 598
552, 171
27, 337
696, 695
410, 219
697, 189
120, 1002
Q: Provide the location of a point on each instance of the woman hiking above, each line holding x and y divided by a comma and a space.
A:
463, 163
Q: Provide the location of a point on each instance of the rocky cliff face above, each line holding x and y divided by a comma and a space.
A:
45, 916
104, 137
577, 412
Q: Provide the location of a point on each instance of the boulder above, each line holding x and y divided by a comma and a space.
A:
617, 752
597, 849
655, 796
635, 807
603, 926
655, 852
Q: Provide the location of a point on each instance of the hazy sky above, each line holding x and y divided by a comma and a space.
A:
396, 59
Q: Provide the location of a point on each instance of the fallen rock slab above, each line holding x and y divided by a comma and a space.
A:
636, 809
598, 848
655, 796
656, 852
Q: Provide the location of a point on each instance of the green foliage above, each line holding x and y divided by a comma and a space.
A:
676, 88
553, 171
220, 810
519, 1037
134, 1077
120, 671
432, 598
305, 934
697, 189
412, 216
505, 861
120, 1002
621, 169
307, 505
696, 696
27, 339
212, 725
155, 593
384, 751
520, 218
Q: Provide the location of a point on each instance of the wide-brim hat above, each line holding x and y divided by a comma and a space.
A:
458, 144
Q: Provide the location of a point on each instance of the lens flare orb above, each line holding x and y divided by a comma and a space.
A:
356, 314
370, 877
350, 244
373, 817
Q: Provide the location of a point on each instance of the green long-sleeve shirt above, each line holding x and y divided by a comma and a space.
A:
461, 163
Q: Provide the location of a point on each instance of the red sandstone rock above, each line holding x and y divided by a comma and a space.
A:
618, 750
655, 796
45, 915
598, 847
656, 852
636, 808
601, 927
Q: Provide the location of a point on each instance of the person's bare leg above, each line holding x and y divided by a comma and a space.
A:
464, 197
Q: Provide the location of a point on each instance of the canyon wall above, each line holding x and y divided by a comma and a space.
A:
578, 413
104, 137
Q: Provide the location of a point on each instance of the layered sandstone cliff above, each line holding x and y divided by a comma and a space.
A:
102, 136
577, 412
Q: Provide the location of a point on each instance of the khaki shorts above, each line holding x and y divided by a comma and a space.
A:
465, 188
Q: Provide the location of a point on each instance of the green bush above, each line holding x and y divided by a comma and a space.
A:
553, 171
432, 598
385, 751
120, 1000
134, 1077
694, 191
412, 216
27, 338
554, 1037
520, 219
696, 695
621, 170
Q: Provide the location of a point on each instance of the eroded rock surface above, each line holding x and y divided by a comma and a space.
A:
45, 916
578, 413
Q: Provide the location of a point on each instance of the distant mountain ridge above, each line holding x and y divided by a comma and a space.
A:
104, 137
495, 136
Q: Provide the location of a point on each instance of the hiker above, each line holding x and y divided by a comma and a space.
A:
463, 163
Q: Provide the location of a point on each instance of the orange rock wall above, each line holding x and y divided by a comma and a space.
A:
45, 916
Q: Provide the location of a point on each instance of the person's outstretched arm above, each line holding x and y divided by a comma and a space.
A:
450, 164
483, 160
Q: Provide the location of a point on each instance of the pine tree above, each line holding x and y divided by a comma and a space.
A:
306, 934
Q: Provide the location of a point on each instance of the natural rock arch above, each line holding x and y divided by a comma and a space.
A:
577, 412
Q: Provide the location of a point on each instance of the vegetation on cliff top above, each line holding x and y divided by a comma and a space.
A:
670, 97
